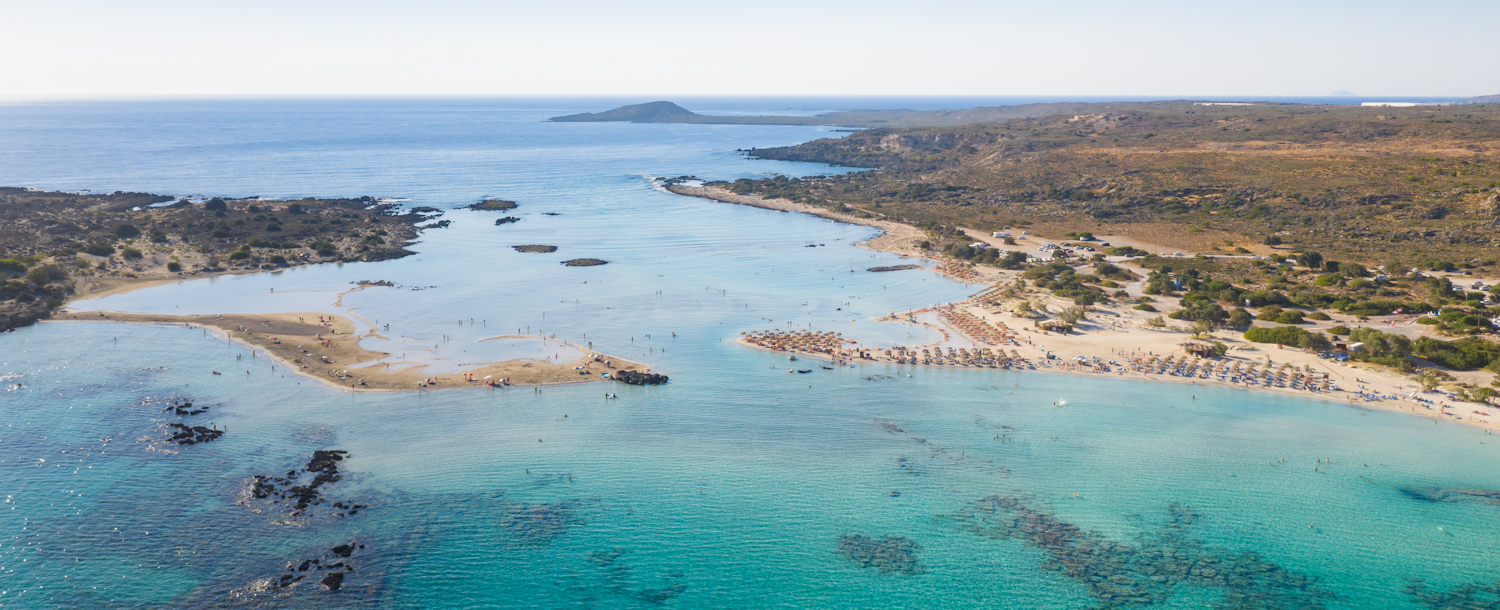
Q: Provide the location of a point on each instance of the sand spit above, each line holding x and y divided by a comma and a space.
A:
324, 348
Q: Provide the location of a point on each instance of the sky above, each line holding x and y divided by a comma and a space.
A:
150, 48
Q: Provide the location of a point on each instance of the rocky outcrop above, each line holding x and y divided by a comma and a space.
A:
498, 205
304, 491
893, 268
506, 220
192, 435
535, 249
585, 262
636, 378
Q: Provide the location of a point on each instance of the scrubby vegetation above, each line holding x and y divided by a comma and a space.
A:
55, 243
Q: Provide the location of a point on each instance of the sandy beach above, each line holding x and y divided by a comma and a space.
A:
1116, 341
324, 348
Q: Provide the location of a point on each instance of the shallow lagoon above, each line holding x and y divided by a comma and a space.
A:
729, 487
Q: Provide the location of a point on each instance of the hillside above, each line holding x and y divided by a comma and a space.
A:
1375, 185
57, 245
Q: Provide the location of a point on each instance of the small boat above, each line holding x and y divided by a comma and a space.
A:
827, 368
804, 370
791, 357
790, 371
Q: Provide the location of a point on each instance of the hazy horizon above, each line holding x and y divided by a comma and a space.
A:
170, 48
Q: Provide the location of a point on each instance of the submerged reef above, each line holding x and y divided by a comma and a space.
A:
1465, 597
889, 555
1453, 494
1148, 570
537, 524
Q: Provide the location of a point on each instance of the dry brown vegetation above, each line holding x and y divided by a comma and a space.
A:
1374, 185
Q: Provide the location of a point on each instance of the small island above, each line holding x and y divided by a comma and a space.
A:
495, 205
893, 268
506, 220
585, 262
535, 249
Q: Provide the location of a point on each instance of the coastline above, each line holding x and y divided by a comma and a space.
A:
1126, 330
320, 346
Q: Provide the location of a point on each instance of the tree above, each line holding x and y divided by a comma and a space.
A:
1071, 315
1203, 328
1239, 318
1313, 341
1428, 381
1272, 240
1220, 348
1311, 260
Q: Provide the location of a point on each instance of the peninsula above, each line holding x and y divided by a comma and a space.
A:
57, 246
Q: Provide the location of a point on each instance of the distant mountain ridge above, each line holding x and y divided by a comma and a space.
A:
1483, 99
668, 112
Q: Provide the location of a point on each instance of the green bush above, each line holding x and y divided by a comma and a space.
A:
127, 232
44, 274
215, 205
1464, 354
100, 249
1318, 315
11, 265
131, 254
174, 267
1289, 317
1284, 335
1339, 330
278, 260
1144, 307
239, 255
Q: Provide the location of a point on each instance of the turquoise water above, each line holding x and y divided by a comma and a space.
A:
733, 486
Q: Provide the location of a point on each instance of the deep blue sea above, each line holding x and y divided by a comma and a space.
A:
734, 486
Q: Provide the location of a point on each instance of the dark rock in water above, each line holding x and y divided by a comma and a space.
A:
585, 262
192, 435
535, 249
441, 224
893, 268
889, 555
298, 489
425, 209
506, 220
551, 214
333, 581
637, 378
185, 409
498, 205
342, 550
386, 283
